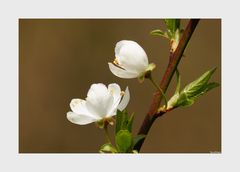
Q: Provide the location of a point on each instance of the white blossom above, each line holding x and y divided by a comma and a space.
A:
131, 60
102, 102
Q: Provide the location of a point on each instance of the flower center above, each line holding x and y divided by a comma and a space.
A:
116, 62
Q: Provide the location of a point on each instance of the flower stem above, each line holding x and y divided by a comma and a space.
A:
159, 89
107, 134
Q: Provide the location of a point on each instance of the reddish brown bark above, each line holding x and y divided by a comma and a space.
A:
174, 60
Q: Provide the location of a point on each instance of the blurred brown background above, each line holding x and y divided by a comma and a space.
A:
60, 59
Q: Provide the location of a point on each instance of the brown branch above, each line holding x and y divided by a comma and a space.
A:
174, 60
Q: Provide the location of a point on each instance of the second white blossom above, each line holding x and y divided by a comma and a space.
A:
131, 60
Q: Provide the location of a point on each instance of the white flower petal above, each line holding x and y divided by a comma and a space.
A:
125, 100
79, 118
99, 100
131, 56
97, 91
115, 90
121, 72
79, 106
113, 112
100, 108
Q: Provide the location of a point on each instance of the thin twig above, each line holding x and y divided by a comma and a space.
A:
159, 89
174, 60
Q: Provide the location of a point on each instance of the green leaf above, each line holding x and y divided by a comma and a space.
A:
130, 122
207, 88
198, 86
159, 32
119, 118
107, 148
138, 138
170, 34
123, 141
211, 85
173, 32
123, 121
195, 89
172, 26
183, 100
173, 101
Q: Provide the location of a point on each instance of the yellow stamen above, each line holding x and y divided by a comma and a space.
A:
116, 62
122, 93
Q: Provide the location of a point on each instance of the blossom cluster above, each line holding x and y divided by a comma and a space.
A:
102, 101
